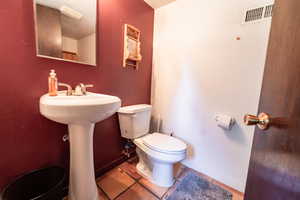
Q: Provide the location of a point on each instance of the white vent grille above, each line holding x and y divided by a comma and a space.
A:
268, 11
256, 14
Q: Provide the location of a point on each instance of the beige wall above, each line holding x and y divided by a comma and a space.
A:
199, 70
87, 49
69, 44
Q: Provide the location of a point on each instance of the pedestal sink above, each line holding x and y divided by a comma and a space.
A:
80, 113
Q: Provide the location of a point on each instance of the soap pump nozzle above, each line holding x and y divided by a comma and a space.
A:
52, 73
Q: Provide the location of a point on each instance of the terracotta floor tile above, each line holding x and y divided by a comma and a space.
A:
115, 182
101, 195
157, 190
137, 192
130, 168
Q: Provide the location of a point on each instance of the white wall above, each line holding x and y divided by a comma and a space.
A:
87, 49
200, 69
69, 44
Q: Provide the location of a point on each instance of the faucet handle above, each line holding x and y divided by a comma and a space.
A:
89, 86
81, 89
84, 88
69, 88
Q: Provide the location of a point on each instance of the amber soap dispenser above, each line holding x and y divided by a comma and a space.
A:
52, 83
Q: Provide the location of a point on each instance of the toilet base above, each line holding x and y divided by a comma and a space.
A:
159, 173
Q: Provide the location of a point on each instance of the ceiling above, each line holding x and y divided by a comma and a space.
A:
74, 28
158, 3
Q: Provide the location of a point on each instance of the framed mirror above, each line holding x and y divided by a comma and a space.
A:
66, 30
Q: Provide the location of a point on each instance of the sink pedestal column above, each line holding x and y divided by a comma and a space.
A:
82, 185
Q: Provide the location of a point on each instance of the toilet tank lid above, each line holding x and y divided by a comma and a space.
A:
134, 109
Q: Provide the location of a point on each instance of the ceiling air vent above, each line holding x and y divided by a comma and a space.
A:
258, 14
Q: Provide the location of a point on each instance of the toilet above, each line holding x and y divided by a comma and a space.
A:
157, 152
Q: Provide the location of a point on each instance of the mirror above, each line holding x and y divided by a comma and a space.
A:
66, 30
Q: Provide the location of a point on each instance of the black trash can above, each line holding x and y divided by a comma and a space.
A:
43, 184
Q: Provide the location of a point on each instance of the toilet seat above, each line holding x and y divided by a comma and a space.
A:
164, 143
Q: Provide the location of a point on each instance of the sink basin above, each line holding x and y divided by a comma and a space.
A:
80, 113
91, 108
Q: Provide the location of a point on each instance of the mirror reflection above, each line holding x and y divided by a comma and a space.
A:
66, 30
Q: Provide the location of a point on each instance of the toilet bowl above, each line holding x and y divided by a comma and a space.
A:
157, 152
156, 160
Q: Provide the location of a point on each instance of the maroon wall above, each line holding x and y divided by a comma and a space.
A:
27, 140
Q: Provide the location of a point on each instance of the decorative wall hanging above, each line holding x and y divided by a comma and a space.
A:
132, 44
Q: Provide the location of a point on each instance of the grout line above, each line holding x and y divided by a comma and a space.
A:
103, 192
149, 190
125, 190
136, 179
117, 168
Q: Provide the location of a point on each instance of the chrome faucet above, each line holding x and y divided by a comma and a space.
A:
81, 89
69, 88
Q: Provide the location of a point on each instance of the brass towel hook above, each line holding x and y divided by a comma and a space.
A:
262, 120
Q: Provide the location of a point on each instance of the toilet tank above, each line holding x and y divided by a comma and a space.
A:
134, 120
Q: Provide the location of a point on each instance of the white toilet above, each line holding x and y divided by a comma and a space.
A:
157, 152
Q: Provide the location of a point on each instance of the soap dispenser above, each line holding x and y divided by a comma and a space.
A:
52, 83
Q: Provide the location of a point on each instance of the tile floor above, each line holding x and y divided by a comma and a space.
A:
124, 183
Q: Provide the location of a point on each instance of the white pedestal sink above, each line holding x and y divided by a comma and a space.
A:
80, 113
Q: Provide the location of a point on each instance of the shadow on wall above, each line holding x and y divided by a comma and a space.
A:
236, 134
185, 109
157, 125
180, 113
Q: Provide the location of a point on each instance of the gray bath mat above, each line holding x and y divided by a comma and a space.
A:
194, 187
